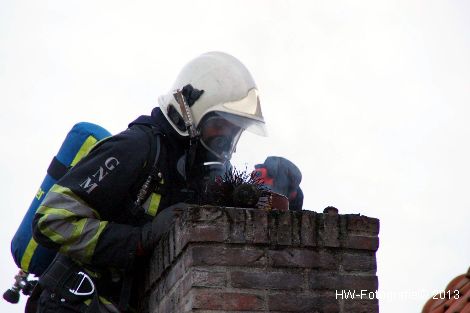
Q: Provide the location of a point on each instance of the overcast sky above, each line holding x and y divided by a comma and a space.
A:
371, 99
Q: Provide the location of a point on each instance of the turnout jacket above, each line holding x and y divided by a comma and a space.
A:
89, 214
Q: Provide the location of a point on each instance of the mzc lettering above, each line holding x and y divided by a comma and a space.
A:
91, 182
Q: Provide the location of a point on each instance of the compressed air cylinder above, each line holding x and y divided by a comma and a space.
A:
28, 255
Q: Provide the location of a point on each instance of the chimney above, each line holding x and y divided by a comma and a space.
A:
218, 259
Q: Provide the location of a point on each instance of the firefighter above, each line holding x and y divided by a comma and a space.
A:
108, 212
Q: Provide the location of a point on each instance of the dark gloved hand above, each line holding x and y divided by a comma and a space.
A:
282, 176
153, 231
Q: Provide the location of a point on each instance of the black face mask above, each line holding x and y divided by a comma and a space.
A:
204, 171
205, 165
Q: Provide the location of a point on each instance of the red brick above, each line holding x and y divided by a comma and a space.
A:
153, 274
179, 234
361, 306
204, 224
205, 278
308, 230
295, 302
361, 225
159, 263
236, 225
206, 233
153, 300
209, 215
203, 255
205, 299
166, 251
260, 226
329, 230
336, 281
272, 226
296, 227
360, 242
303, 258
168, 304
172, 244
267, 280
284, 229
228, 259
175, 274
249, 226
364, 262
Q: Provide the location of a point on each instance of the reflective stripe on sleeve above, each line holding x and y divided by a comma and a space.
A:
64, 198
28, 254
70, 222
84, 149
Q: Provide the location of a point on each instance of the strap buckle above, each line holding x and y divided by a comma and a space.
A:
77, 291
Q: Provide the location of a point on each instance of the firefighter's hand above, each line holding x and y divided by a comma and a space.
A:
284, 177
153, 231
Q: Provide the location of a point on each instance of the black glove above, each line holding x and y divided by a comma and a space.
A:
153, 231
283, 177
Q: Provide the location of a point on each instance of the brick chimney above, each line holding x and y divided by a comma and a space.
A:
237, 260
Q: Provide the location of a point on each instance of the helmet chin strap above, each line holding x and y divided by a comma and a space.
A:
187, 115
190, 127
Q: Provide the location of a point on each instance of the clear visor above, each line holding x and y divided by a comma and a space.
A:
254, 126
246, 113
219, 135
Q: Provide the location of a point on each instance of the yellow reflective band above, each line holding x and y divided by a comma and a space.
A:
79, 225
154, 204
105, 301
84, 149
90, 249
66, 191
102, 300
47, 211
28, 254
53, 211
52, 235
78, 228
59, 189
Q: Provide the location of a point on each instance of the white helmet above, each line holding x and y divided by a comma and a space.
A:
229, 91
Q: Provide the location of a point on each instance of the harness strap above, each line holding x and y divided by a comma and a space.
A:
57, 169
95, 305
126, 289
154, 171
67, 279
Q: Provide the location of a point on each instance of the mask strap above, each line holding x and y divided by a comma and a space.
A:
187, 115
192, 131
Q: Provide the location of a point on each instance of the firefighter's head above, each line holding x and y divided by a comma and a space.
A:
223, 101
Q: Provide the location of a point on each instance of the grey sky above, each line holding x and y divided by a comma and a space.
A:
371, 99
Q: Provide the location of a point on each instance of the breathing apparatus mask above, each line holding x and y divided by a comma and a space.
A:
219, 136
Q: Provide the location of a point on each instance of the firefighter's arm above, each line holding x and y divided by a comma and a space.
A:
68, 220
65, 223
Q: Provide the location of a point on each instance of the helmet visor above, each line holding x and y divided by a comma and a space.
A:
219, 136
252, 125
